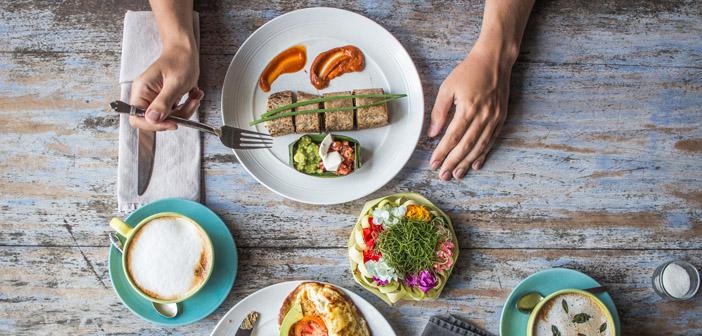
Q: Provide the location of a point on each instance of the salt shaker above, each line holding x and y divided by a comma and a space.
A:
676, 280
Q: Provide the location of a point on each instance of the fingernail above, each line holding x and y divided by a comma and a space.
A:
432, 131
153, 116
445, 175
435, 164
458, 173
477, 165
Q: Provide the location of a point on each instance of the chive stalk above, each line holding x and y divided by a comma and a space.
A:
324, 99
324, 110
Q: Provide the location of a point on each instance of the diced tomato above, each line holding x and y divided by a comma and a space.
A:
335, 146
321, 166
345, 143
347, 152
310, 326
343, 169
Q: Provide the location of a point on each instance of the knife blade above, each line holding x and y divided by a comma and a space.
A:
145, 159
247, 325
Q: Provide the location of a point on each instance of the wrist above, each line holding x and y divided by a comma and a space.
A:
182, 42
502, 51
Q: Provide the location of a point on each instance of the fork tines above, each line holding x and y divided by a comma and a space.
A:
245, 139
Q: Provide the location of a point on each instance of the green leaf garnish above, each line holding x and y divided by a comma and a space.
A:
408, 246
555, 330
581, 334
565, 305
581, 318
603, 327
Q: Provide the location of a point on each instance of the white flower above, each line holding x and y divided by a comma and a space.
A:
381, 270
399, 212
380, 215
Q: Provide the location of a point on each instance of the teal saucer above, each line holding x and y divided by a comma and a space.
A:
514, 323
218, 286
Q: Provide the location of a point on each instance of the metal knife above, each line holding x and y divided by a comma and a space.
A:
146, 147
247, 325
145, 159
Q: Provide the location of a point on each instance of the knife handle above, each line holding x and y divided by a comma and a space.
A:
122, 107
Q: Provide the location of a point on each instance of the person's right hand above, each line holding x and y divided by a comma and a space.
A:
161, 86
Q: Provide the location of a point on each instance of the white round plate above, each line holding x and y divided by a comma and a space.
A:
385, 150
267, 302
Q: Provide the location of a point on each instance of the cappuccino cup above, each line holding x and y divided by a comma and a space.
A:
167, 257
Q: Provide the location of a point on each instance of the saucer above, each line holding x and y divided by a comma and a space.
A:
513, 322
218, 286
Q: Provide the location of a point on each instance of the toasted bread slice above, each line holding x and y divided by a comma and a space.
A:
281, 126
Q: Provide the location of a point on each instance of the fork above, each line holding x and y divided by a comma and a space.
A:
232, 137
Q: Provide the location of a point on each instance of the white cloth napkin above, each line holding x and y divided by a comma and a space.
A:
176, 171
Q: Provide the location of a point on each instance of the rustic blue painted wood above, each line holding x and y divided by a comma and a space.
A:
599, 167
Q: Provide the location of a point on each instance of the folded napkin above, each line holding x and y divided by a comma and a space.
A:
176, 171
451, 326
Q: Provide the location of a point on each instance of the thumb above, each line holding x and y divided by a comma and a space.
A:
162, 106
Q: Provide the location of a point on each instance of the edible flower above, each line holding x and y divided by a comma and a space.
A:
418, 212
411, 280
381, 271
445, 256
381, 282
380, 215
399, 212
426, 280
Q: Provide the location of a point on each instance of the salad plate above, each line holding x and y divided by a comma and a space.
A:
402, 247
388, 66
268, 301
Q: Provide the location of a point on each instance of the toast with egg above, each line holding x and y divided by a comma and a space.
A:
320, 309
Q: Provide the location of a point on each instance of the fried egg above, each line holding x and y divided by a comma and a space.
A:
326, 310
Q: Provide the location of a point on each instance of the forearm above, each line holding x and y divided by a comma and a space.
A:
503, 26
175, 23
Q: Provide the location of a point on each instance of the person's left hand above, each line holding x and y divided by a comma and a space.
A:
479, 88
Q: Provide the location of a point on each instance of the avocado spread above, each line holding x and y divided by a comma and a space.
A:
306, 156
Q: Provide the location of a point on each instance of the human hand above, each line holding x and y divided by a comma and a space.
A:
479, 88
161, 86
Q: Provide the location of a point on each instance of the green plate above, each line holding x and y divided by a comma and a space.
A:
218, 286
514, 322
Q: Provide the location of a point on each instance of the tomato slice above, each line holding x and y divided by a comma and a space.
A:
310, 326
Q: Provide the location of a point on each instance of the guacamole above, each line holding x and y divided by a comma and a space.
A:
306, 156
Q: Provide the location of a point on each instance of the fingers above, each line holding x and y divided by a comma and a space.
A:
462, 149
454, 133
142, 123
190, 106
439, 114
163, 104
478, 163
478, 148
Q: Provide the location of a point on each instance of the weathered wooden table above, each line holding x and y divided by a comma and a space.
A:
599, 167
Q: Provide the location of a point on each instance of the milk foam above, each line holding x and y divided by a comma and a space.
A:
553, 314
164, 257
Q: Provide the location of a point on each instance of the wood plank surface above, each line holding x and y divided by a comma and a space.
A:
53, 290
599, 167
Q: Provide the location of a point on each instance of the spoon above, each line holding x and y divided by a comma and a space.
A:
115, 241
167, 310
528, 301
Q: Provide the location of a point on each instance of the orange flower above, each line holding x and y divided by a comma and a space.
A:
418, 212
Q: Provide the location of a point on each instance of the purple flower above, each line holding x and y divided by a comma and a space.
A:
426, 280
381, 282
411, 280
